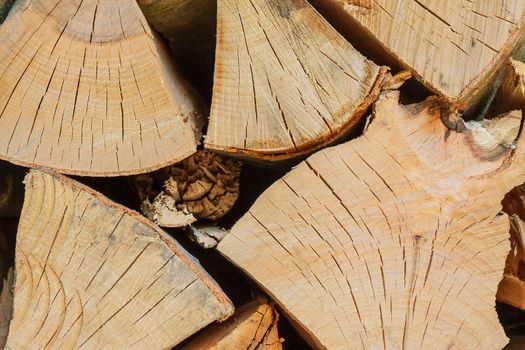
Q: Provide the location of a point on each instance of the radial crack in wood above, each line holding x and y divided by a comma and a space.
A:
394, 240
89, 89
252, 327
455, 48
286, 83
90, 274
512, 288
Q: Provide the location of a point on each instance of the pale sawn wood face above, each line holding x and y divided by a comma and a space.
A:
91, 274
454, 47
87, 88
392, 240
286, 83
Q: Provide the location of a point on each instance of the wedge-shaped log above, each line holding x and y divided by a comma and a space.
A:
91, 274
286, 83
394, 240
252, 327
455, 48
87, 88
512, 288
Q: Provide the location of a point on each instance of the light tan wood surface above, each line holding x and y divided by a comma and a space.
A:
286, 83
394, 240
456, 48
91, 274
86, 87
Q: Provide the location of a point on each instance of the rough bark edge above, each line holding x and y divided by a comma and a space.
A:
316, 144
181, 253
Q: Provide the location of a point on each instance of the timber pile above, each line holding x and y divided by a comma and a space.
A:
330, 174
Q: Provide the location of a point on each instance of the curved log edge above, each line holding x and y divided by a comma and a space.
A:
456, 49
100, 94
277, 92
392, 240
91, 273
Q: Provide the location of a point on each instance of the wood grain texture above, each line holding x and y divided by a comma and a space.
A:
454, 47
394, 240
91, 274
87, 88
286, 83
252, 327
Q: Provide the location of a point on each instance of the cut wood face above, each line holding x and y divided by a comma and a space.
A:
87, 88
453, 47
286, 83
393, 240
91, 274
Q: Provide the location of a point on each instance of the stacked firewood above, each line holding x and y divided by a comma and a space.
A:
261, 174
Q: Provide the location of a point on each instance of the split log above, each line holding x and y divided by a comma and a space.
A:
203, 186
92, 274
455, 48
394, 240
190, 27
99, 92
286, 83
252, 327
11, 190
512, 288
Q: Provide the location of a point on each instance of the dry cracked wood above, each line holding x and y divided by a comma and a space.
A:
252, 327
87, 88
92, 274
512, 288
455, 48
394, 240
286, 83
